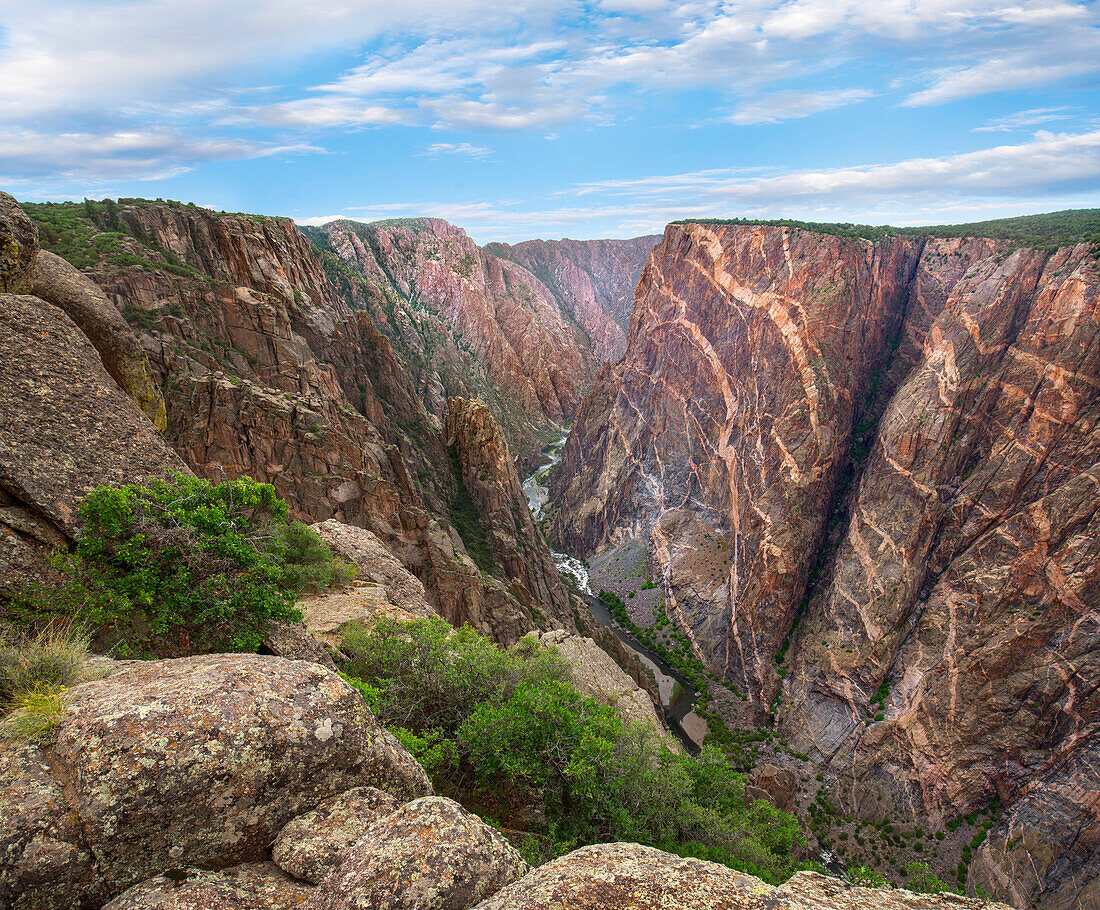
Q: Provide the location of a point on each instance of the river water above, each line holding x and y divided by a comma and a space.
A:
677, 696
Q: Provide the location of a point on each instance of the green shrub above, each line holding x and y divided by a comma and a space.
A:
923, 881
307, 563
505, 729
184, 566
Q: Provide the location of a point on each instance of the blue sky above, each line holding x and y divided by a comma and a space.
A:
551, 118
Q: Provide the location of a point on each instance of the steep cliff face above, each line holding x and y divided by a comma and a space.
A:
489, 476
891, 448
593, 282
267, 371
726, 426
468, 324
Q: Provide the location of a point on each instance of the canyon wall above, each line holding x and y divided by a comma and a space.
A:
266, 370
467, 323
592, 281
868, 476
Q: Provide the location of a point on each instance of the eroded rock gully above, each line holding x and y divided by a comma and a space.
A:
915, 422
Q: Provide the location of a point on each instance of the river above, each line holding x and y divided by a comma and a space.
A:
677, 696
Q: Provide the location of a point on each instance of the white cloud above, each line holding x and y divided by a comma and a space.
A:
780, 106
120, 155
1009, 179
457, 148
1025, 119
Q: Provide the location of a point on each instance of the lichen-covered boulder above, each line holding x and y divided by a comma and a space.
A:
56, 281
253, 886
294, 641
610, 876
613, 876
430, 854
44, 864
311, 845
203, 760
18, 247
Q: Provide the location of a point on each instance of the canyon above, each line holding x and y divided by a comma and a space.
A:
522, 328
861, 476
865, 474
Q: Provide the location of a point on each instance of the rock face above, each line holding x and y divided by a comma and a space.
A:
252, 886
489, 476
895, 446
57, 282
592, 281
200, 760
598, 675
728, 422
429, 853
44, 861
66, 428
468, 323
18, 247
267, 371
311, 845
610, 876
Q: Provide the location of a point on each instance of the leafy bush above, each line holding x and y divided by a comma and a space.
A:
506, 729
183, 566
923, 881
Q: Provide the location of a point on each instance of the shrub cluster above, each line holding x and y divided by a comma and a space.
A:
507, 731
183, 566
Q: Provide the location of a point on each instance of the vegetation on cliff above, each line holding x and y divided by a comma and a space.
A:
507, 731
183, 566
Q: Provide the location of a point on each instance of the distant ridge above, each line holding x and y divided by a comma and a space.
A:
1045, 231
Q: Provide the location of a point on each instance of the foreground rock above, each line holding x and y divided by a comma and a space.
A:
614, 876
44, 862
196, 761
431, 853
253, 886
311, 845
59, 283
18, 247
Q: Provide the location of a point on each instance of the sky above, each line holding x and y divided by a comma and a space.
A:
548, 118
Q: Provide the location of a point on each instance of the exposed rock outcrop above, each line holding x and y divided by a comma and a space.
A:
598, 675
18, 247
310, 846
592, 281
252, 886
610, 876
66, 428
57, 282
268, 372
45, 863
895, 446
429, 853
489, 476
195, 761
